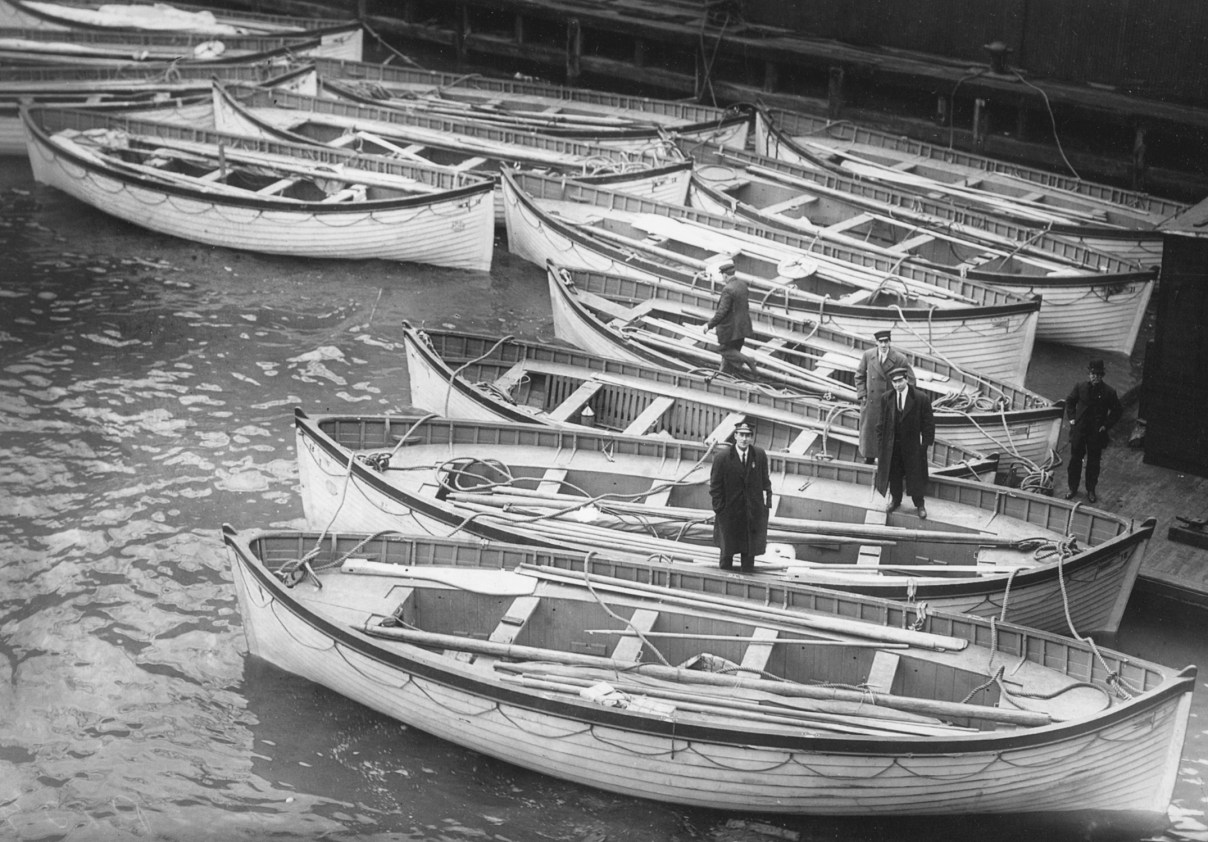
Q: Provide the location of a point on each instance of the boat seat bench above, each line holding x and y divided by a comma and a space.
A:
726, 428
649, 416
509, 627
630, 648
869, 555
279, 185
575, 402
881, 673
402, 598
551, 481
802, 442
508, 380
911, 243
755, 659
514, 618
791, 204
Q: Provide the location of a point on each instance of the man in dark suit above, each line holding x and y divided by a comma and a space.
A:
1092, 408
872, 381
741, 490
733, 322
905, 429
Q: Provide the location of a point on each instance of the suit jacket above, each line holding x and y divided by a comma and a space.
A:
733, 316
913, 431
741, 496
872, 381
1094, 408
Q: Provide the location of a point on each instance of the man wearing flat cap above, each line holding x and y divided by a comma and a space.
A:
905, 429
741, 491
1092, 408
872, 381
733, 322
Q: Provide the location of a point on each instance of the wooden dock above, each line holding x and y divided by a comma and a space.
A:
1128, 485
702, 50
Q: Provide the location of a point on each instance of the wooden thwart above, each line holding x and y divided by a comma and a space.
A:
576, 400
629, 648
513, 621
649, 416
755, 659
881, 674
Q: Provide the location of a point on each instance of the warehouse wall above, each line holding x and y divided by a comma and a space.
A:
1153, 48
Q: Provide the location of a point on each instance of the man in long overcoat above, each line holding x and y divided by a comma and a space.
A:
741, 490
732, 319
905, 429
872, 381
1092, 409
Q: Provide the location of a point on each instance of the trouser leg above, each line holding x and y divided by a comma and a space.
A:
730, 361
748, 563
747, 361
726, 562
734, 362
1093, 457
897, 473
1074, 472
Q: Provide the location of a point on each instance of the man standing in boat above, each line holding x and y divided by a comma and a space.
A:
733, 322
906, 428
872, 381
1092, 408
741, 490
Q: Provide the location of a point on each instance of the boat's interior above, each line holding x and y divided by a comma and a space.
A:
399, 594
892, 236
633, 406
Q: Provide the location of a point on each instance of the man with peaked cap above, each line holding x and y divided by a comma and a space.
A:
740, 487
1092, 408
872, 381
905, 429
733, 322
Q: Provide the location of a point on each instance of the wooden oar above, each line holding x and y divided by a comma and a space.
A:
475, 580
840, 625
807, 641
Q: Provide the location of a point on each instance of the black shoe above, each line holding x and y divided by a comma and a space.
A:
1070, 495
1091, 496
892, 507
921, 512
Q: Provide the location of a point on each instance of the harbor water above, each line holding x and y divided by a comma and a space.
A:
148, 390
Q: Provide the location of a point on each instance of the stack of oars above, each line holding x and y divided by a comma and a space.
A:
686, 534
832, 628
754, 706
684, 686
